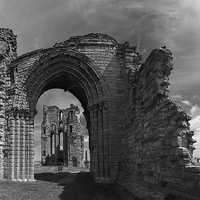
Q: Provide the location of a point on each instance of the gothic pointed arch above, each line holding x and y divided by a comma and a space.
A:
63, 68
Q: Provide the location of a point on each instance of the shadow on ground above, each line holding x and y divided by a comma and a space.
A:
78, 186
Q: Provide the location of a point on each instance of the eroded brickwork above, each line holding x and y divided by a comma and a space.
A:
158, 146
61, 138
135, 130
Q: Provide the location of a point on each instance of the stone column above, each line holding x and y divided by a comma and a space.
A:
100, 137
2, 125
16, 145
31, 146
26, 176
96, 142
91, 140
22, 146
55, 144
59, 143
7, 54
106, 142
11, 147
65, 148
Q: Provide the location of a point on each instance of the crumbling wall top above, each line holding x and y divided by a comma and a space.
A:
8, 42
91, 39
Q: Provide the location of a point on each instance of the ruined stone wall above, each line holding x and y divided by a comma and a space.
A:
54, 123
8, 52
135, 129
104, 52
158, 146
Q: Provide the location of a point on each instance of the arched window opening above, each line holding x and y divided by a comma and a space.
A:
70, 128
61, 115
61, 125
44, 131
52, 144
71, 114
61, 141
74, 160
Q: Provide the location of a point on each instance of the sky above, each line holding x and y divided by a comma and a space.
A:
146, 24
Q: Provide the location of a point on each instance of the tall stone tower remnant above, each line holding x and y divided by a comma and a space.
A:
61, 137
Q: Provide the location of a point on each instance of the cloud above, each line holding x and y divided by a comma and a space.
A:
186, 102
195, 126
195, 96
176, 97
150, 22
195, 111
147, 24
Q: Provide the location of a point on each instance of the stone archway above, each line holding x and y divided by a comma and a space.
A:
68, 70
88, 67
135, 129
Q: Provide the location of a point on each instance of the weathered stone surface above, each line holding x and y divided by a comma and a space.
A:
134, 127
61, 128
157, 131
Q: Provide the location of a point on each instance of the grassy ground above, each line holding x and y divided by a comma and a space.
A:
47, 186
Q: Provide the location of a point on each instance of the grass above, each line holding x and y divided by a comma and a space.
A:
29, 191
46, 187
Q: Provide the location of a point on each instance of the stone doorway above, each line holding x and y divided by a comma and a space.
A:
74, 160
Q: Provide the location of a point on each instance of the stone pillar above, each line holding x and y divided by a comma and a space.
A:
96, 139
22, 146
16, 145
65, 148
91, 140
57, 144
31, 146
2, 125
106, 142
100, 141
11, 147
8, 48
26, 176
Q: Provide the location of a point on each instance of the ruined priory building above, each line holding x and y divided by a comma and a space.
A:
136, 132
61, 138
